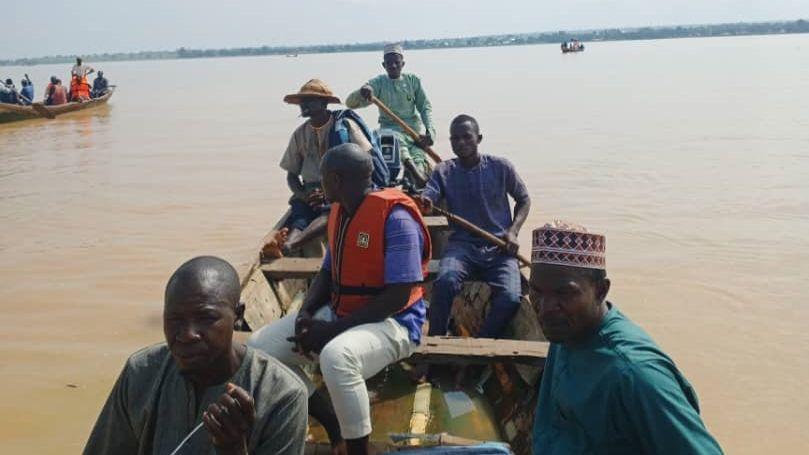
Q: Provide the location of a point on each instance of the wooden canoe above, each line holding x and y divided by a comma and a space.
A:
505, 394
12, 112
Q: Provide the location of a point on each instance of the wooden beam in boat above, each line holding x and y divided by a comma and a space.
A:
283, 268
461, 350
436, 223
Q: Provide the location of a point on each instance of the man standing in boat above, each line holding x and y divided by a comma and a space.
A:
477, 187
364, 309
606, 384
405, 96
80, 69
200, 392
322, 129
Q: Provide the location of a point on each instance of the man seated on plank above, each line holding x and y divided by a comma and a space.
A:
405, 96
100, 85
607, 387
364, 309
247, 401
476, 187
323, 129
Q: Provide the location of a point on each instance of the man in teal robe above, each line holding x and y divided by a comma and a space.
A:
607, 388
405, 96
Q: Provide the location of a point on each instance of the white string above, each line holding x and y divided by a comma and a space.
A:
186, 439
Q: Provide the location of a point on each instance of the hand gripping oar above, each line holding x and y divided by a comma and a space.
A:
475, 230
410, 131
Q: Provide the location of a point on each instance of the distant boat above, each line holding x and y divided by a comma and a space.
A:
573, 45
292, 55
11, 112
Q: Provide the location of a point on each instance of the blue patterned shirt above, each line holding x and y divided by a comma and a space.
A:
479, 194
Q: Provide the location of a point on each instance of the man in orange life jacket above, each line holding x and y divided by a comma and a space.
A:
364, 309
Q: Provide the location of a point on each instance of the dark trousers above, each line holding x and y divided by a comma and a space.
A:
465, 261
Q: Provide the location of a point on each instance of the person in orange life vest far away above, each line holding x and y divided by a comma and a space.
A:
364, 309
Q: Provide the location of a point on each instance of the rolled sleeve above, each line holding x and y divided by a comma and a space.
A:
434, 189
355, 99
292, 161
404, 244
514, 184
425, 109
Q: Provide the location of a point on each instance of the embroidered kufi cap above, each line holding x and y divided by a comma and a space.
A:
393, 48
560, 243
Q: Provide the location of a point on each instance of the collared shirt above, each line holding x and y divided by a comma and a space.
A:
308, 145
100, 83
406, 97
617, 393
404, 242
479, 194
81, 70
152, 408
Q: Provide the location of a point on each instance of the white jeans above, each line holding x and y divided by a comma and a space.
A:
345, 362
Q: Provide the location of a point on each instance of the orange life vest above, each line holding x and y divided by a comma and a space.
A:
357, 246
79, 88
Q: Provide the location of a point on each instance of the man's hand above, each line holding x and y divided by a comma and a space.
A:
230, 420
367, 92
316, 199
424, 141
313, 337
425, 204
512, 247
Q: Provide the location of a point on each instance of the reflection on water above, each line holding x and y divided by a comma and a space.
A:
690, 155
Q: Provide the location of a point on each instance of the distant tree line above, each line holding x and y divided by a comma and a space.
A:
613, 34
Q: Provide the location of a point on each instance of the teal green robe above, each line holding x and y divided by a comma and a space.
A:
617, 393
406, 98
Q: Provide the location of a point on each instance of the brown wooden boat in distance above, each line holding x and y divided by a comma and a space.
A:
12, 112
407, 415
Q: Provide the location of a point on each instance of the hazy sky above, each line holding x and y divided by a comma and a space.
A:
46, 27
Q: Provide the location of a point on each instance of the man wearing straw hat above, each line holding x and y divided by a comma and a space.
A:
199, 392
405, 96
322, 129
607, 387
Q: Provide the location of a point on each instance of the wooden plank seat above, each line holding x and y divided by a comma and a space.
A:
436, 223
462, 350
283, 268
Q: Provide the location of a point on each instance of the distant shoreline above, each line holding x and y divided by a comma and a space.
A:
610, 34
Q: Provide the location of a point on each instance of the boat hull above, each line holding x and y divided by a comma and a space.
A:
13, 112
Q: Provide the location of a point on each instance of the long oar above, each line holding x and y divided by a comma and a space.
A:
475, 230
410, 131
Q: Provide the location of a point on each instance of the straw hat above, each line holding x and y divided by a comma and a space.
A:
313, 88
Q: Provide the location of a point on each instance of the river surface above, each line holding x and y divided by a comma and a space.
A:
691, 155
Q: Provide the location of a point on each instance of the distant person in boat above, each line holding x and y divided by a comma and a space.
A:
322, 129
27, 91
79, 89
80, 69
364, 309
606, 387
404, 94
246, 401
9, 94
477, 187
49, 91
58, 95
100, 85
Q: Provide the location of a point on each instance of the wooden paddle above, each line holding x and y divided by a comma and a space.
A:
410, 131
475, 230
